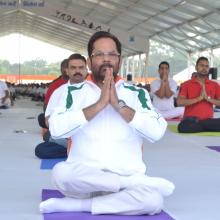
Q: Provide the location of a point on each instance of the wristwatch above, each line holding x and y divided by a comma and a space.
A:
121, 104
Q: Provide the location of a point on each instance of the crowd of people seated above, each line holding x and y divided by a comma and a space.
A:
9, 92
36, 91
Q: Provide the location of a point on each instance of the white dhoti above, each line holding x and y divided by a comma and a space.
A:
172, 113
80, 181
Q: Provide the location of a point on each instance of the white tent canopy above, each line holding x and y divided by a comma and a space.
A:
184, 74
187, 25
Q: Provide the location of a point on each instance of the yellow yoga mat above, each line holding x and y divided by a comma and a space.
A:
173, 128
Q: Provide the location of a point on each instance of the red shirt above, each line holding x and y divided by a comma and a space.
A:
53, 86
192, 89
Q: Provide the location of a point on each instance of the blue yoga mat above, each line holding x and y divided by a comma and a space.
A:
48, 164
48, 193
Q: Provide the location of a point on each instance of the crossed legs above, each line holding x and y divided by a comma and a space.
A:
100, 192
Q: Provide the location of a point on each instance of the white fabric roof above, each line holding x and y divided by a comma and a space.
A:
188, 25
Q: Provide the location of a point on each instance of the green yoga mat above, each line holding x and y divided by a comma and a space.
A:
173, 128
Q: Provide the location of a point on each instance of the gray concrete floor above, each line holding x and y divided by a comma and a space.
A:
182, 159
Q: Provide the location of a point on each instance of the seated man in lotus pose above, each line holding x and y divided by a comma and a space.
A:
198, 95
77, 71
163, 91
107, 120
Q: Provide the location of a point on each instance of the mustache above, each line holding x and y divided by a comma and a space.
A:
104, 66
78, 74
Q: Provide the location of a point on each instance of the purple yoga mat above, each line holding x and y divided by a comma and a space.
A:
216, 148
48, 193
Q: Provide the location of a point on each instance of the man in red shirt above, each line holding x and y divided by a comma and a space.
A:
62, 79
198, 95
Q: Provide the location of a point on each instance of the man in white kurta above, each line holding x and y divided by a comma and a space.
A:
76, 70
163, 91
4, 95
107, 120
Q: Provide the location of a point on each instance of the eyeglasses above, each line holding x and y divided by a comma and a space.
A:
203, 65
101, 55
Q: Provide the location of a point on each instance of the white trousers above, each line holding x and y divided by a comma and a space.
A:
172, 113
80, 181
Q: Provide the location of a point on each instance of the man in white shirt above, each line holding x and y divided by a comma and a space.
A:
163, 91
5, 101
77, 71
107, 120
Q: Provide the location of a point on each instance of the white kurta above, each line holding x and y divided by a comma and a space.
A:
3, 88
107, 141
165, 106
58, 98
